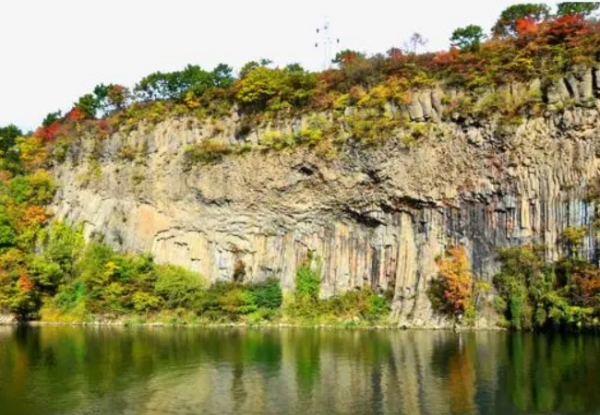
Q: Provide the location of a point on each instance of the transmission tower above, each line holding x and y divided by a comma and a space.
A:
327, 43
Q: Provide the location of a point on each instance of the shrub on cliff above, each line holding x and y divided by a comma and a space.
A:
275, 89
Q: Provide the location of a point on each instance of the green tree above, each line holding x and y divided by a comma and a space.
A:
175, 85
88, 104
583, 8
8, 236
36, 189
51, 118
347, 55
507, 23
524, 284
275, 89
252, 65
222, 76
467, 38
8, 137
63, 245
111, 97
308, 283
153, 87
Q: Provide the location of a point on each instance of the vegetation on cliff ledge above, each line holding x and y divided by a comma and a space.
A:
363, 92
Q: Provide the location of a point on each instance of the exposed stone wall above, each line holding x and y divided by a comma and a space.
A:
375, 217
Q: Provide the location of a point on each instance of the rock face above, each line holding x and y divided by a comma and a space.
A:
376, 217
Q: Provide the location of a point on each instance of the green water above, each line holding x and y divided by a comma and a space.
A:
74, 370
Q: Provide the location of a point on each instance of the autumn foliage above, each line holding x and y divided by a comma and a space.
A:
587, 282
452, 291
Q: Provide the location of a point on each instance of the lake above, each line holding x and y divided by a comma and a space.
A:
119, 370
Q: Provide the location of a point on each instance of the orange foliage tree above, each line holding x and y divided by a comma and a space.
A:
452, 291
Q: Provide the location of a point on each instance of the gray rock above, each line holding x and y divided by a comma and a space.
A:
586, 87
415, 110
426, 105
436, 102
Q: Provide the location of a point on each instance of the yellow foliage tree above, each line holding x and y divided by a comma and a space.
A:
456, 279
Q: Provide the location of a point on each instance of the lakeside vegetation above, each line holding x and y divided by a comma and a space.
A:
47, 271
531, 293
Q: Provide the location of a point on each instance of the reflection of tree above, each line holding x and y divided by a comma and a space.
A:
461, 381
307, 355
337, 372
454, 359
553, 373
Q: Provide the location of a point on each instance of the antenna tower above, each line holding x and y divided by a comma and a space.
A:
326, 43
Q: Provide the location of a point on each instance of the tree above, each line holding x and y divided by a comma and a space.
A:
177, 286
523, 283
222, 76
274, 89
88, 104
583, 8
259, 86
453, 290
8, 136
176, 85
117, 96
467, 38
507, 23
415, 41
294, 67
252, 65
51, 118
347, 56
153, 87
8, 236
111, 97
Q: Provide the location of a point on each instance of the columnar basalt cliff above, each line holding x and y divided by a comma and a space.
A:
376, 216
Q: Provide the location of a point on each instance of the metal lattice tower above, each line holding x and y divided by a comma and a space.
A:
327, 43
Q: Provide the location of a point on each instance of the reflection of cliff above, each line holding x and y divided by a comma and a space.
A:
553, 373
223, 372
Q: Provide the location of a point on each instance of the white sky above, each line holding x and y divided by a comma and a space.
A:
53, 51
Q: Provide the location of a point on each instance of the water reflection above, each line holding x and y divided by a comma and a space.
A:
72, 370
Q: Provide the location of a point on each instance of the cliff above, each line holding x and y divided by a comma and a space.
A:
376, 216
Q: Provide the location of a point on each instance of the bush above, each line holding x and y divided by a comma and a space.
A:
267, 294
275, 89
178, 287
308, 283
237, 301
377, 307
207, 151
144, 302
36, 189
69, 296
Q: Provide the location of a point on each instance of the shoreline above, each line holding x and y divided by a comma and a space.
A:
228, 325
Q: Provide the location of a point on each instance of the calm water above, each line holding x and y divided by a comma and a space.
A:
73, 370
